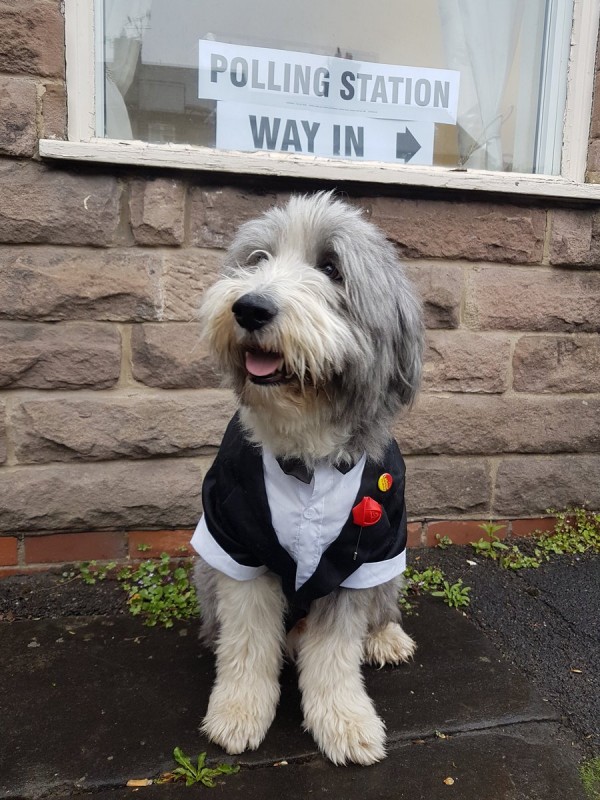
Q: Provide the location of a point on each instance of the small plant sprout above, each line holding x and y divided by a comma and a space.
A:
443, 541
198, 772
144, 547
432, 581
454, 595
491, 528
91, 573
491, 546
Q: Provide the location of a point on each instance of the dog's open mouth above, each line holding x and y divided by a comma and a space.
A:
265, 368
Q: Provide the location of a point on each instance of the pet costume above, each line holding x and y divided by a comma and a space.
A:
263, 514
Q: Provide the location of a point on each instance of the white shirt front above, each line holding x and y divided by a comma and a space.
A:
307, 518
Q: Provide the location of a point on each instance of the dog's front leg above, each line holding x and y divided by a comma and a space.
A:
337, 710
249, 656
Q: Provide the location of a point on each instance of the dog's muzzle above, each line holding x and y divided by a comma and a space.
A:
253, 311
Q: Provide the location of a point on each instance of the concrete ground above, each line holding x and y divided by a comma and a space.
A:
546, 621
88, 702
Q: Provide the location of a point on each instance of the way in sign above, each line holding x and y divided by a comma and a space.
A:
287, 130
275, 133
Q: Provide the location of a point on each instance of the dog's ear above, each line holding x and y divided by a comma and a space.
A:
399, 310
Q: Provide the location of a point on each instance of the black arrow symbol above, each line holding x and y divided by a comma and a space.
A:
406, 145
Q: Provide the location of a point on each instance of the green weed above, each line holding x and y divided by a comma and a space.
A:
89, 572
432, 581
159, 592
443, 541
454, 595
589, 772
195, 773
491, 547
576, 531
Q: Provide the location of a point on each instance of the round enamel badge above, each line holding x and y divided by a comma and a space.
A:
385, 481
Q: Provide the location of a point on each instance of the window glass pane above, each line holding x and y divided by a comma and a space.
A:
476, 84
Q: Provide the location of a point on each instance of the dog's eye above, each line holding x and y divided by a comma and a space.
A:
328, 267
255, 257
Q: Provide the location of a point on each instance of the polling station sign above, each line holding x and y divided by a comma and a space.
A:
319, 133
284, 78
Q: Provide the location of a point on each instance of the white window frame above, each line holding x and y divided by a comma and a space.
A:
83, 73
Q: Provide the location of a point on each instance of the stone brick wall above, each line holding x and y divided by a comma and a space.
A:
110, 411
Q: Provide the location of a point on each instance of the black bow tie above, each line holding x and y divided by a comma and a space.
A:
298, 469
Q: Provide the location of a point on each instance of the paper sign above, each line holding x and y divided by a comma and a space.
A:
316, 133
284, 78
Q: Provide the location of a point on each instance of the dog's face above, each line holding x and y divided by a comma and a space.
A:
313, 312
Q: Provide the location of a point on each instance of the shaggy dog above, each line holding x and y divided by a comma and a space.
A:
319, 333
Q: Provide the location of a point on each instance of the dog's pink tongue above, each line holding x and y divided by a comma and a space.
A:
262, 364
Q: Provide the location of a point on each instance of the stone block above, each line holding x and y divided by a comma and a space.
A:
79, 283
456, 229
533, 299
18, 135
112, 427
137, 494
41, 204
32, 37
462, 361
217, 213
157, 209
440, 287
186, 276
67, 356
172, 356
54, 111
447, 486
557, 364
575, 238
479, 424
527, 486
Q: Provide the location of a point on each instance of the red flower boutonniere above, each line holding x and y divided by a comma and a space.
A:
367, 512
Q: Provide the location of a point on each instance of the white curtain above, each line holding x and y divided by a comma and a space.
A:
125, 21
480, 37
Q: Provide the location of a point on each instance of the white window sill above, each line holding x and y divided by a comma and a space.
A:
177, 156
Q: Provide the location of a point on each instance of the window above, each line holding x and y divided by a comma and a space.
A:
452, 91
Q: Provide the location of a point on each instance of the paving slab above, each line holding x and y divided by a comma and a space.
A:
545, 621
522, 765
91, 702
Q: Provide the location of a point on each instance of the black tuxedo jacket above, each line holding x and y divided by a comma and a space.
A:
237, 515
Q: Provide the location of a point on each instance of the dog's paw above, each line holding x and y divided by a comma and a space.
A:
355, 735
389, 645
238, 722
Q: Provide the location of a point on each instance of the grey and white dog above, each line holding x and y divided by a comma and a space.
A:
337, 337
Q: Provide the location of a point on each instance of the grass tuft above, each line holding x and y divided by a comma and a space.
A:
589, 772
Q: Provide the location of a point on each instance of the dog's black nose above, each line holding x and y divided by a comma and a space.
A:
254, 311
